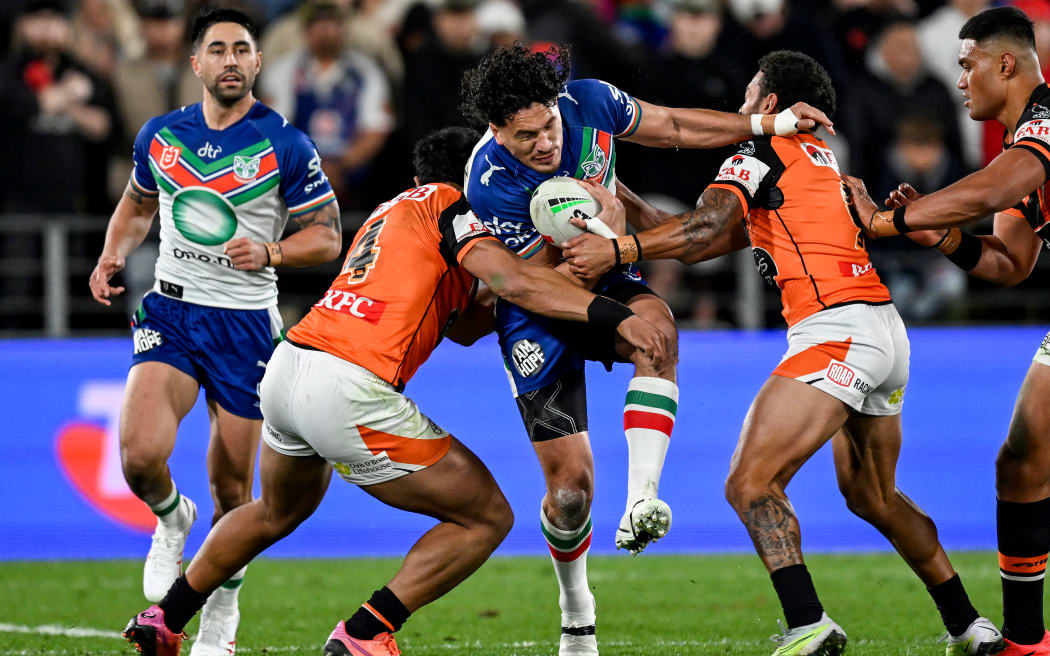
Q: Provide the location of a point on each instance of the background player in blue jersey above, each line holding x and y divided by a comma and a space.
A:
225, 175
540, 127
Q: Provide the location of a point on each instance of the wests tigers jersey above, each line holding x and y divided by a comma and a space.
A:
401, 285
1032, 133
802, 236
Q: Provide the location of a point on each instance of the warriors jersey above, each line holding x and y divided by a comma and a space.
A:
1032, 133
218, 185
802, 236
401, 285
500, 187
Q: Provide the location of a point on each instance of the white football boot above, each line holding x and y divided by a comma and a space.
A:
981, 638
644, 521
822, 638
164, 561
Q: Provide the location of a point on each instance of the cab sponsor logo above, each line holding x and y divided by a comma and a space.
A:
743, 169
1037, 129
467, 225
840, 374
146, 339
350, 303
527, 356
169, 156
854, 270
820, 156
245, 169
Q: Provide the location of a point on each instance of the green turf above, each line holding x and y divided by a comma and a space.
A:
649, 605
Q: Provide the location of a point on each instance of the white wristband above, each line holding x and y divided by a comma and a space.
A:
785, 124
756, 124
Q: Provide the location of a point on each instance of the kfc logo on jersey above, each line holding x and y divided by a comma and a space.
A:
467, 225
1038, 129
853, 269
350, 303
169, 156
840, 374
743, 170
820, 156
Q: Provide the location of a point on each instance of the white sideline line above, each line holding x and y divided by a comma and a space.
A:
59, 630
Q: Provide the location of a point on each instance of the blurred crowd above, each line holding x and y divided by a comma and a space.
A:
366, 78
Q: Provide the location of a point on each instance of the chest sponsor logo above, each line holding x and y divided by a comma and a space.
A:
467, 225
209, 151
147, 339
840, 374
169, 156
1037, 129
853, 269
203, 258
767, 267
528, 357
245, 169
820, 156
350, 303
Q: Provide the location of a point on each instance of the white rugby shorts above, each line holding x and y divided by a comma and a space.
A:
316, 403
857, 353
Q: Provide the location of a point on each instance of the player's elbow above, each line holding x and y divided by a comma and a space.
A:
330, 246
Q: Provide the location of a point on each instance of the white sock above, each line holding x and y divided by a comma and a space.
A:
167, 510
648, 418
226, 594
569, 555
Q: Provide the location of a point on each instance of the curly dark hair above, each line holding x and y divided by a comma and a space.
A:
209, 16
442, 155
796, 77
1009, 22
510, 79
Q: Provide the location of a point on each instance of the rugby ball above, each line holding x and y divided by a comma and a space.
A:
556, 201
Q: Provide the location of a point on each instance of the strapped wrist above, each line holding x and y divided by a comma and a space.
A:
627, 250
274, 255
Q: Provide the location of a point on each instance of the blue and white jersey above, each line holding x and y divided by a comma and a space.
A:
218, 185
499, 187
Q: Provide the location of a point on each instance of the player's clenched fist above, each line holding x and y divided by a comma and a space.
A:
107, 267
654, 345
246, 255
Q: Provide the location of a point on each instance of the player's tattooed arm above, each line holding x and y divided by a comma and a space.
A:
318, 240
128, 226
773, 527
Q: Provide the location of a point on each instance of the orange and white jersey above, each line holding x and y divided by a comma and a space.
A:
1032, 133
802, 236
401, 285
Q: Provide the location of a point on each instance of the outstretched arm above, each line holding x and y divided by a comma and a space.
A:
675, 127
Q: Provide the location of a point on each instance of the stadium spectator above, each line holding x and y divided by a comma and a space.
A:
338, 97
858, 22
896, 85
58, 118
940, 53
433, 71
105, 31
501, 23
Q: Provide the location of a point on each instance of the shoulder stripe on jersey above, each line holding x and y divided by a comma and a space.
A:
744, 204
636, 122
312, 205
202, 167
531, 248
139, 188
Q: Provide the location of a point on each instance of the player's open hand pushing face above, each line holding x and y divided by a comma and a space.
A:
649, 343
107, 267
246, 255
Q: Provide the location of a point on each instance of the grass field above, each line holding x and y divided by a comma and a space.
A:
650, 605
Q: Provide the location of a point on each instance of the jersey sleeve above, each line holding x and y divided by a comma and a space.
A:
605, 107
744, 172
460, 231
1033, 134
141, 174
304, 185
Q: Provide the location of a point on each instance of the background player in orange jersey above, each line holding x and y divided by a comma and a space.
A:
331, 398
844, 374
1001, 80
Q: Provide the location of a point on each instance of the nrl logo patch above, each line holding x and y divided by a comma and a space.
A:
595, 163
1040, 111
245, 168
169, 156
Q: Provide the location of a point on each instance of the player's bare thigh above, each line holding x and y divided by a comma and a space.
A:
568, 469
156, 398
786, 424
653, 309
1023, 466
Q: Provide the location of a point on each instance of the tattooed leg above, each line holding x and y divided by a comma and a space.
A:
773, 527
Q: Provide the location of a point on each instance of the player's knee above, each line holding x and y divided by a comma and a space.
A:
866, 504
572, 502
230, 493
498, 519
742, 487
1016, 474
141, 467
